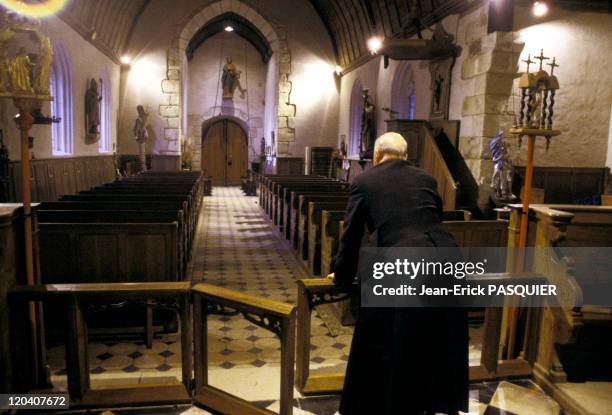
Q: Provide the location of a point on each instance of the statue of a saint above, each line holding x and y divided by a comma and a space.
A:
141, 135
437, 92
5, 80
503, 170
368, 126
20, 71
231, 80
43, 68
92, 111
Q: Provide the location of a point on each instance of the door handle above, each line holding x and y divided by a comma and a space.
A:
229, 163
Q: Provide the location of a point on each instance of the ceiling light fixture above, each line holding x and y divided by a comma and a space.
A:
229, 28
338, 70
374, 44
539, 9
125, 60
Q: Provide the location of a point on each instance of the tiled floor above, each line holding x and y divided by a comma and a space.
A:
236, 247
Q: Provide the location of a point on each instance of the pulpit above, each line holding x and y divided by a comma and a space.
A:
411, 131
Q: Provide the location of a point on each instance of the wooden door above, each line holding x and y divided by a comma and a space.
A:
224, 153
237, 160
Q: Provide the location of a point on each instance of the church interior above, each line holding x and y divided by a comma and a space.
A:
174, 176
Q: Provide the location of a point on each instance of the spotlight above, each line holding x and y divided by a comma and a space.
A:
125, 60
539, 8
374, 44
229, 28
338, 70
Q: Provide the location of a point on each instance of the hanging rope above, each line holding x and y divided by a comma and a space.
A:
246, 81
219, 76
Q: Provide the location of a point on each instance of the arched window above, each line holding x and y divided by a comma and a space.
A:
61, 106
402, 92
356, 111
105, 114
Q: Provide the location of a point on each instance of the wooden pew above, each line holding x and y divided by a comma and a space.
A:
303, 220
270, 183
301, 199
125, 216
331, 222
467, 233
133, 230
279, 197
284, 199
553, 229
315, 211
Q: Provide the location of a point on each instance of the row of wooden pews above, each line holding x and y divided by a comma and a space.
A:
309, 212
137, 229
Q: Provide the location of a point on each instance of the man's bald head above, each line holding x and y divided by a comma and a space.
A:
390, 146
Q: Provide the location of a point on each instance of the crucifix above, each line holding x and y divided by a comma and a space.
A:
528, 61
541, 58
553, 65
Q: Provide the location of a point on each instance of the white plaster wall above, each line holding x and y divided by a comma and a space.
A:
87, 62
581, 42
379, 82
310, 46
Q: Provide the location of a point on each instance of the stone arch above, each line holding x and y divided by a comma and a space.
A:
403, 91
206, 123
172, 111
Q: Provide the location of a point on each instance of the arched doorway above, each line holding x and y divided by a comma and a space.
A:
224, 152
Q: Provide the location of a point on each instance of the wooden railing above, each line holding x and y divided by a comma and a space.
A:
207, 299
552, 230
432, 161
314, 292
269, 314
75, 297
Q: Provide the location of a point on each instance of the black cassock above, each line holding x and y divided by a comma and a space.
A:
403, 361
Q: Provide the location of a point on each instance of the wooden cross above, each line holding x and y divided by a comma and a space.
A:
553, 65
542, 58
528, 61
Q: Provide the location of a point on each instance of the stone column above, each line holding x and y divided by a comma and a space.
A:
492, 65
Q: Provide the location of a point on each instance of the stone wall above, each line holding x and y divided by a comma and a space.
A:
297, 38
204, 94
481, 88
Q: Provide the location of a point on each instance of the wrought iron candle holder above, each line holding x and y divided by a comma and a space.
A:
537, 106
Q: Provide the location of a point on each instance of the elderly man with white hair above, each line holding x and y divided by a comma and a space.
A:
403, 361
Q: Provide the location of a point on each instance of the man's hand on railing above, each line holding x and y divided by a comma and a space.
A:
332, 277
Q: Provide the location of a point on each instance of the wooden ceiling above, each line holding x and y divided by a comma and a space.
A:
108, 24
351, 22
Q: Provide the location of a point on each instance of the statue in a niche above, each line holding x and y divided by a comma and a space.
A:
368, 126
92, 111
230, 80
141, 135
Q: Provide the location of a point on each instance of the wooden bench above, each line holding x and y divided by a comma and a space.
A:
137, 229
269, 183
330, 233
302, 220
277, 194
315, 212
294, 212
284, 198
